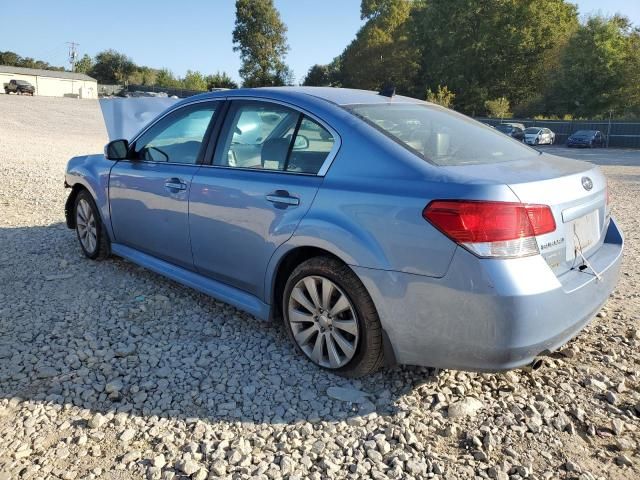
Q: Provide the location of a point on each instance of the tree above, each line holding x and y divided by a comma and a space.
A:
486, 49
15, 60
9, 58
384, 51
112, 67
317, 76
166, 79
599, 69
85, 64
498, 108
220, 80
442, 96
194, 80
260, 37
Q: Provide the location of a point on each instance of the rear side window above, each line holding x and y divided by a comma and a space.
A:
442, 136
267, 136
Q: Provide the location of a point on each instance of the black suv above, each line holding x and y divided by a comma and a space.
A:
20, 87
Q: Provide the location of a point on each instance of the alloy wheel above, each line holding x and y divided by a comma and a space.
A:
323, 322
86, 226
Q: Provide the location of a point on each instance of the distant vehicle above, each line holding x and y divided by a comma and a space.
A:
519, 125
19, 87
539, 136
511, 130
586, 138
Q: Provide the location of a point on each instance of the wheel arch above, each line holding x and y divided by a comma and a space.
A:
283, 267
70, 203
285, 264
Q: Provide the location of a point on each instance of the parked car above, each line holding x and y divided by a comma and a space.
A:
539, 136
20, 87
511, 130
586, 138
379, 229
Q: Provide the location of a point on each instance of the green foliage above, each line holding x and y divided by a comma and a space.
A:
85, 64
260, 37
487, 49
384, 50
194, 80
15, 60
498, 108
442, 96
165, 78
317, 76
112, 67
600, 69
220, 80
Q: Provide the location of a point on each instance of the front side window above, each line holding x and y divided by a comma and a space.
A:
441, 136
267, 136
177, 138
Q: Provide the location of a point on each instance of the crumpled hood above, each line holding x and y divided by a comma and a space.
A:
124, 117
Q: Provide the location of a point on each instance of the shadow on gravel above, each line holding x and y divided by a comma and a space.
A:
112, 337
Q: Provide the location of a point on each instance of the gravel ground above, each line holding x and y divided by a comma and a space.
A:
110, 371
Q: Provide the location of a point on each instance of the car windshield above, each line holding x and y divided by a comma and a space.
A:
583, 133
22, 82
442, 136
532, 130
504, 128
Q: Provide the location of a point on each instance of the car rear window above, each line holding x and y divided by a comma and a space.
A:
441, 136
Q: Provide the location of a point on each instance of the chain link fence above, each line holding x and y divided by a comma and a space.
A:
618, 133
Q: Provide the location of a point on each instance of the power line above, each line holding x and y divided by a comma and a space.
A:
73, 54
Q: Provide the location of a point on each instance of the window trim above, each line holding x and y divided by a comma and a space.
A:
219, 113
209, 156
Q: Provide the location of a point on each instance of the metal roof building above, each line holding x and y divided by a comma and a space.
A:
52, 83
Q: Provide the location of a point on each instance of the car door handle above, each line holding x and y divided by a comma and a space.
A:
175, 184
282, 197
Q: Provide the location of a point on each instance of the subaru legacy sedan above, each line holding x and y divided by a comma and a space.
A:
378, 229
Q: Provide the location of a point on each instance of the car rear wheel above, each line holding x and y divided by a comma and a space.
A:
91, 235
331, 318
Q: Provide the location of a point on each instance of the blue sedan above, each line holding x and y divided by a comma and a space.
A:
379, 229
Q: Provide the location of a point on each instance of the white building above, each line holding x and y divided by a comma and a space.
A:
51, 83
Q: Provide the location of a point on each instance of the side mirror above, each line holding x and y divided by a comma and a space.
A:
116, 150
301, 143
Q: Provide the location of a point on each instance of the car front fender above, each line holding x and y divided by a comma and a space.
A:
92, 173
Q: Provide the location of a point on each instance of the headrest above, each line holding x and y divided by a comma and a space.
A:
275, 150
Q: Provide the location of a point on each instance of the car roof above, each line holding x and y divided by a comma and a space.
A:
338, 96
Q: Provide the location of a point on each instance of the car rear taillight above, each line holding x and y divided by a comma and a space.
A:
491, 229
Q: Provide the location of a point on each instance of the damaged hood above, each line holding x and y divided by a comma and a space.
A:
124, 117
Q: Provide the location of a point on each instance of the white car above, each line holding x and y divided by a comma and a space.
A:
539, 136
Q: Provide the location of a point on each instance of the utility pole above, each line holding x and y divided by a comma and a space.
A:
73, 54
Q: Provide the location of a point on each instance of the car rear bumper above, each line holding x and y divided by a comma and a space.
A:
487, 314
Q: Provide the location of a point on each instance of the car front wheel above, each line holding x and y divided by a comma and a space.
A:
91, 235
331, 318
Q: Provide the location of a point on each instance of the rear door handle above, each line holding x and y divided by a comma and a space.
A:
175, 184
282, 197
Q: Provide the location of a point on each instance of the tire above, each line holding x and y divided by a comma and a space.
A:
92, 238
359, 323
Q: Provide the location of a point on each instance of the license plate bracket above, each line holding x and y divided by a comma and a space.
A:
582, 234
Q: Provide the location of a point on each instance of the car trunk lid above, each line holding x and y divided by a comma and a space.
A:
575, 191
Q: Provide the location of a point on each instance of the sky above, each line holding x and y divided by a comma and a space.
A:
195, 34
